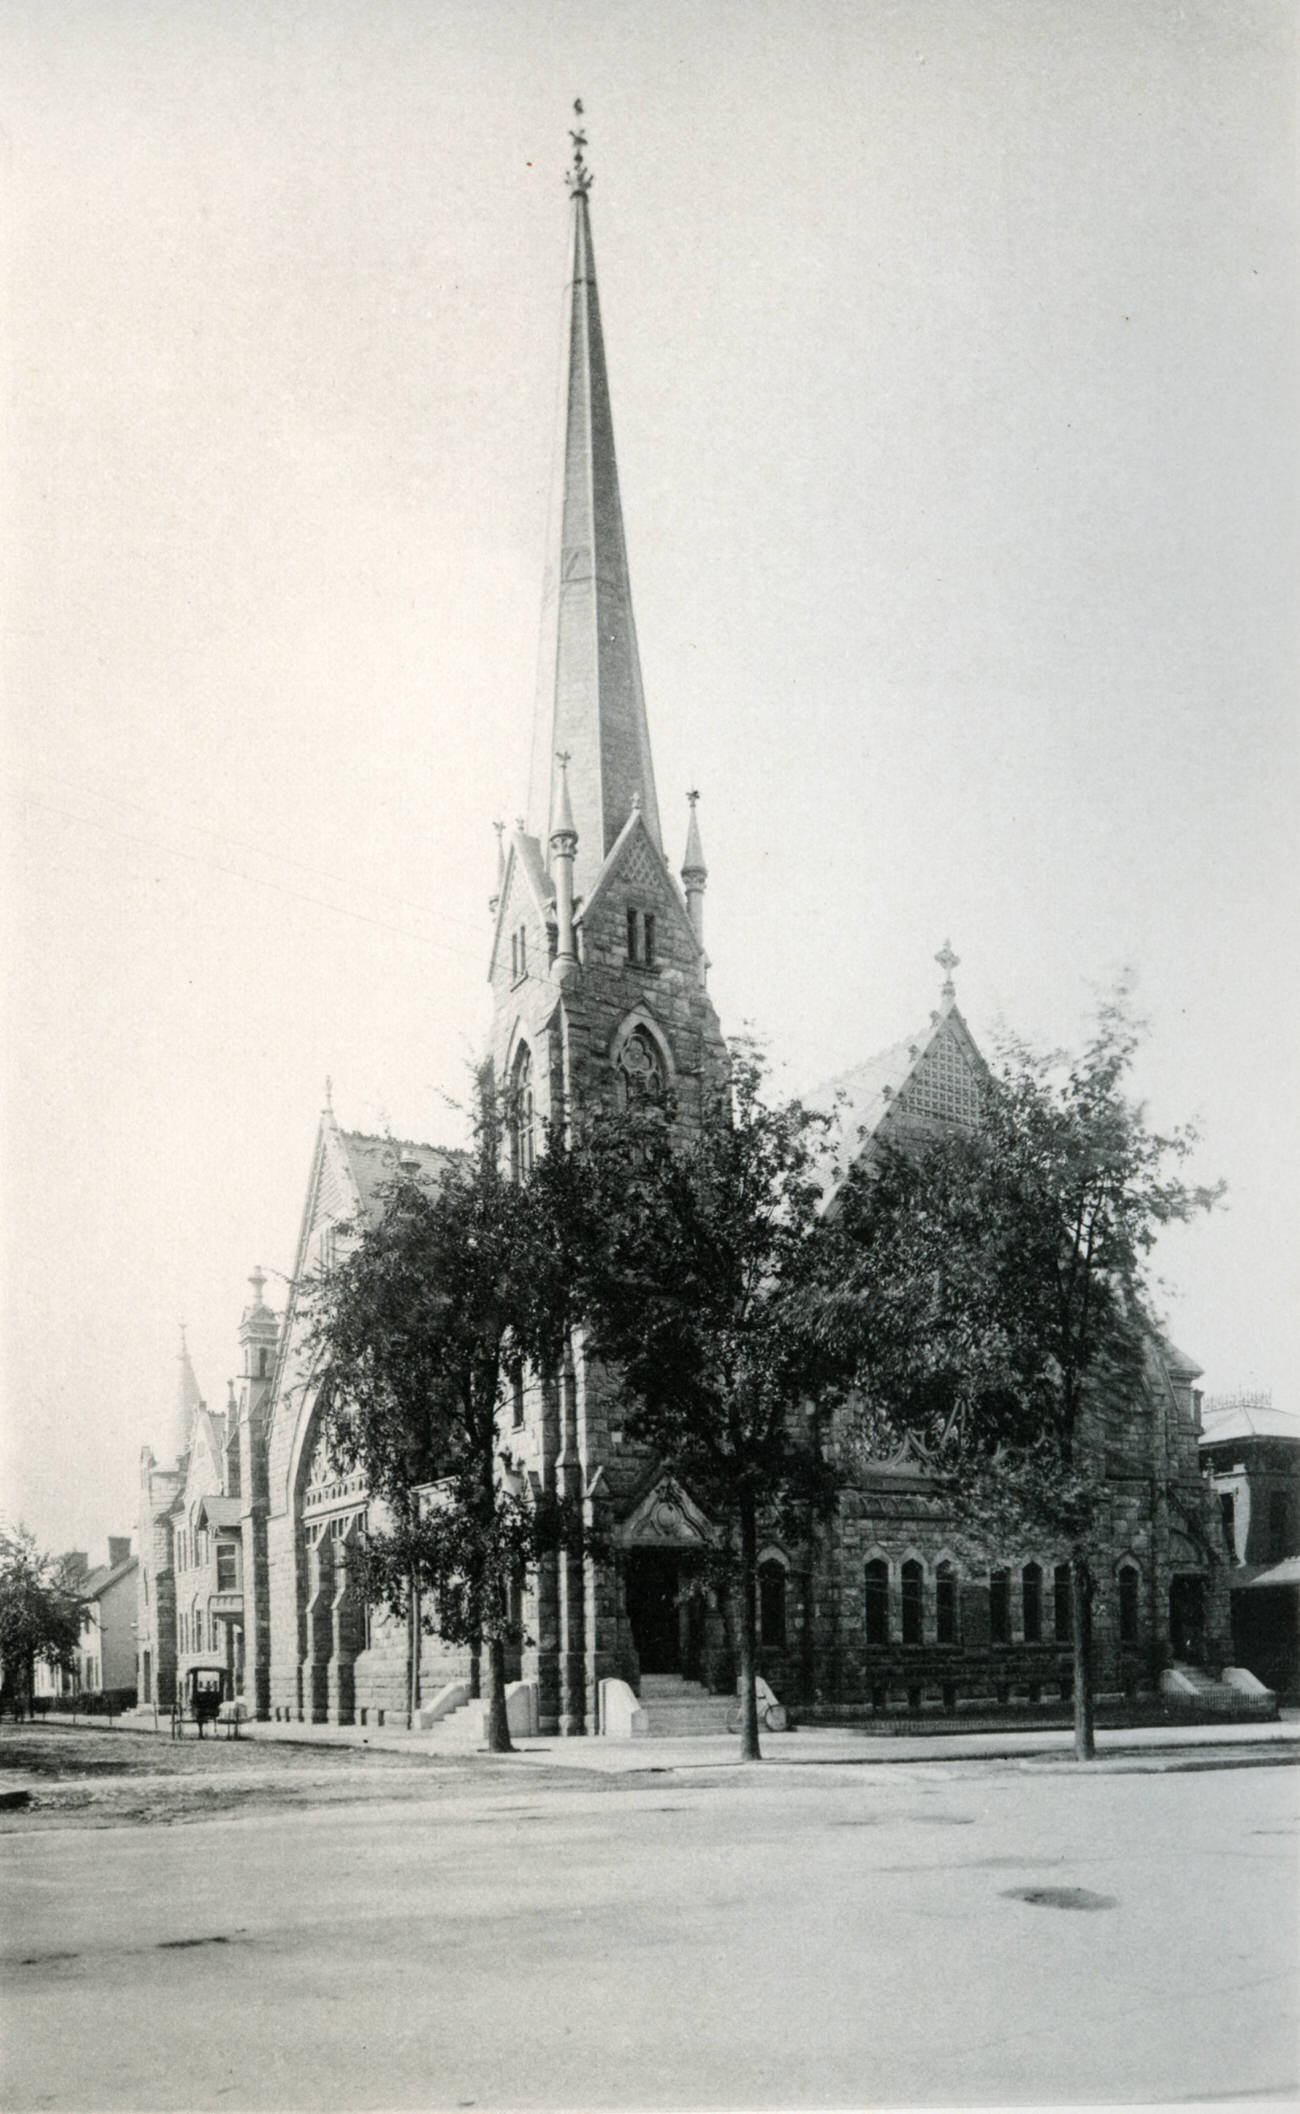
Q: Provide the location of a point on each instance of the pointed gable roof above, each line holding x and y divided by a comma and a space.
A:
634, 856
524, 857
589, 700
931, 1077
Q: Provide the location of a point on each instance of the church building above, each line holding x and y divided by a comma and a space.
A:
599, 979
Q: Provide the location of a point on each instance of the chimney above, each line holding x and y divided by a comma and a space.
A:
119, 1550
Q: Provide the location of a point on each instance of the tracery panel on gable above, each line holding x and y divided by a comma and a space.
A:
943, 1084
330, 1492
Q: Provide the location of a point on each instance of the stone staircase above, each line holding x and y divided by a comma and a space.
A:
679, 1709
1189, 1690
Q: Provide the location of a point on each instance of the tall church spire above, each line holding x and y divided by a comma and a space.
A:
589, 702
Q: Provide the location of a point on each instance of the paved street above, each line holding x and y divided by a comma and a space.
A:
775, 1937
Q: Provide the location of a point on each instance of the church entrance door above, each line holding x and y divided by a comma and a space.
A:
652, 1581
1187, 1617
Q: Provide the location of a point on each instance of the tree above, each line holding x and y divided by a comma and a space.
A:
422, 1325
991, 1294
693, 1286
40, 1614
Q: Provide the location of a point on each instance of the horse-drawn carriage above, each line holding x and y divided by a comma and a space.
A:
205, 1696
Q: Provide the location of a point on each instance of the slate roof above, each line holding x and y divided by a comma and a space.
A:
220, 1511
1238, 1420
1286, 1573
375, 1162
861, 1096
103, 1576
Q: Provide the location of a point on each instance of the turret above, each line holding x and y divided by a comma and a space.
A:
564, 848
695, 873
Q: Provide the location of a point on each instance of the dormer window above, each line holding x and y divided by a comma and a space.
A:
641, 938
519, 954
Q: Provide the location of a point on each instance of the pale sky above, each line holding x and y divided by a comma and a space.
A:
951, 349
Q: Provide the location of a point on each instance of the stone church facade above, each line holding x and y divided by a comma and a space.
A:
599, 980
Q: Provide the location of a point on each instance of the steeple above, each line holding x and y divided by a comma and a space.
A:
589, 700
188, 1400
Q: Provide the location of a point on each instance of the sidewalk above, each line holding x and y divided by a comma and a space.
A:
812, 1746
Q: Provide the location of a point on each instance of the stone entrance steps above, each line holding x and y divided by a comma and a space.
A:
1234, 1694
680, 1709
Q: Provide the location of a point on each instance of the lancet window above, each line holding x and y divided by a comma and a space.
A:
523, 1130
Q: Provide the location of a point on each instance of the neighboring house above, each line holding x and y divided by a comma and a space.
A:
1250, 1453
202, 1522
106, 1654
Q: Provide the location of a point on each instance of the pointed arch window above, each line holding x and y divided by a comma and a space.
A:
945, 1604
522, 1128
877, 1598
1000, 1607
1064, 1603
771, 1602
641, 1068
1031, 1592
913, 1601
1128, 1604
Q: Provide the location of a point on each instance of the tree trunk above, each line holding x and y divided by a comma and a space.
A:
476, 1669
498, 1727
413, 1631
1085, 1745
749, 1747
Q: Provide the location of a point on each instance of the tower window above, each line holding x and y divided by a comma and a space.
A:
877, 1601
522, 1141
262, 1357
641, 938
517, 1398
518, 954
642, 1068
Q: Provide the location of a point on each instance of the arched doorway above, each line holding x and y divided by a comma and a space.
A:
1187, 1616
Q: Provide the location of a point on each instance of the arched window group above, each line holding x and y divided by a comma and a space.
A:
877, 1619
907, 1620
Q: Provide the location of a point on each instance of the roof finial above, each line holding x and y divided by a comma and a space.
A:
948, 961
564, 836
579, 178
329, 1095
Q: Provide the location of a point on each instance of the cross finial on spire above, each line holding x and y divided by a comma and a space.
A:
948, 961
329, 1095
579, 178
693, 796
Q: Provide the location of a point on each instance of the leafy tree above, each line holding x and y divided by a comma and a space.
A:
40, 1614
422, 1324
991, 1293
693, 1284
